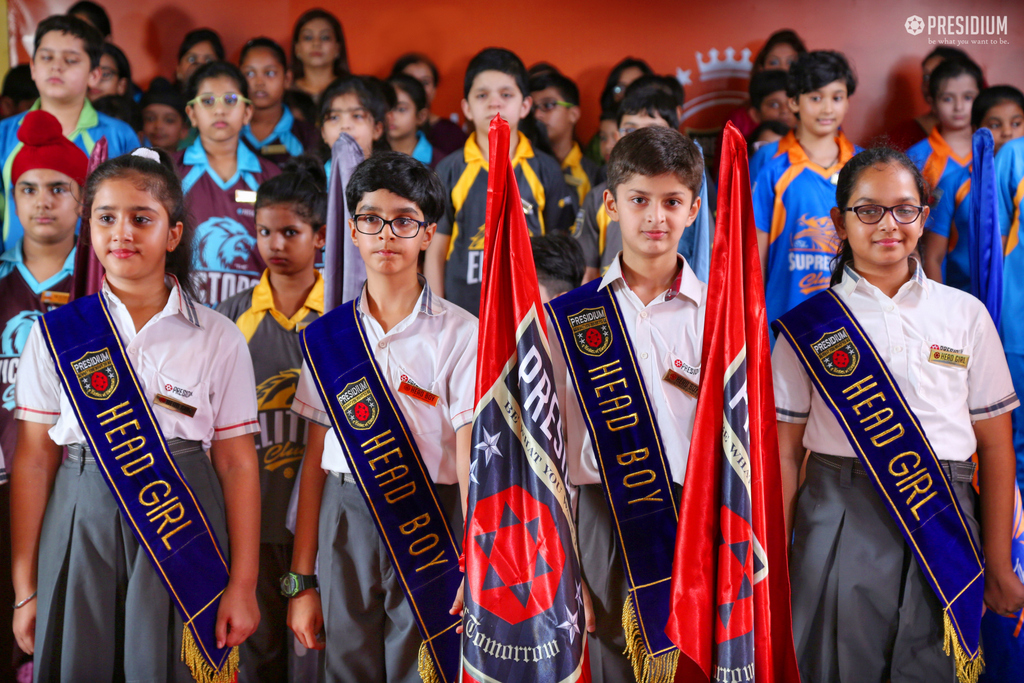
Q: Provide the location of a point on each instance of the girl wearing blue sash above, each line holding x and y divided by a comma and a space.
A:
92, 605
893, 382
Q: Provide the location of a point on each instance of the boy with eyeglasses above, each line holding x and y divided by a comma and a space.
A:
65, 62
219, 176
556, 104
416, 361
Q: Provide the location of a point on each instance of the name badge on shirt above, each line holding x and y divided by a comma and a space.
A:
174, 404
245, 197
51, 298
679, 379
943, 355
417, 393
527, 208
273, 149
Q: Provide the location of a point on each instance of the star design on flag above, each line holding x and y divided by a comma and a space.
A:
472, 471
489, 446
570, 624
579, 594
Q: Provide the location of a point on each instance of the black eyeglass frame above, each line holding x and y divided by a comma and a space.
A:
890, 209
420, 225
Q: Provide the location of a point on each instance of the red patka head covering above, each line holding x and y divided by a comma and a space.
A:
46, 147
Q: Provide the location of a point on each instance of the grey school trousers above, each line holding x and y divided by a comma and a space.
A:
370, 631
862, 608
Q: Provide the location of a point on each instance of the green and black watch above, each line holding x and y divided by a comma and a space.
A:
292, 584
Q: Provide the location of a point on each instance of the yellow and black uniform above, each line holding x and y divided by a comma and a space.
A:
581, 174
276, 358
599, 236
548, 203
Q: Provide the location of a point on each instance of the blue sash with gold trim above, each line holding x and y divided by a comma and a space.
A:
382, 454
634, 473
856, 385
150, 491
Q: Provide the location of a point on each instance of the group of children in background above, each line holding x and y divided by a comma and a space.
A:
231, 214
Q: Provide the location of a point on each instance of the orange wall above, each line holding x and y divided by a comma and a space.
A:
583, 38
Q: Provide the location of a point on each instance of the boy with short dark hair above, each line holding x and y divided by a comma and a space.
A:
388, 386
495, 83
556, 104
19, 91
796, 188
638, 333
65, 62
644, 105
768, 99
559, 262
164, 121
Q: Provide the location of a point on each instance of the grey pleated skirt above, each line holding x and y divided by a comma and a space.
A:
863, 610
103, 612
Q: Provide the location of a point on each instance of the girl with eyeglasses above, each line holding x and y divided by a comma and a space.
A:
220, 175
865, 606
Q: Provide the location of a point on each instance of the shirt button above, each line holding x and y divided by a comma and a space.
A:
889, 307
132, 351
643, 314
383, 345
897, 349
644, 355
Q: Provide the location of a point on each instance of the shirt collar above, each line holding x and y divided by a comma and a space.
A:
178, 303
16, 256
852, 279
574, 156
472, 154
283, 126
86, 120
797, 155
263, 295
246, 159
686, 282
427, 304
423, 152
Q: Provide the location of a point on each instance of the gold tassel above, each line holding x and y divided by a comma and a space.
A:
200, 668
646, 668
967, 669
425, 666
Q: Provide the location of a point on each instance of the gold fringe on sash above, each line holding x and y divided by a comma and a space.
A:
425, 665
200, 668
967, 669
647, 668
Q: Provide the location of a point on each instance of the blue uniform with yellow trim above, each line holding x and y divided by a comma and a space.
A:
226, 258
950, 217
547, 203
793, 198
936, 159
1010, 191
92, 126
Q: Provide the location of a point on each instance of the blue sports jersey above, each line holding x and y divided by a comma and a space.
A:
950, 218
761, 157
92, 126
1010, 188
936, 159
793, 198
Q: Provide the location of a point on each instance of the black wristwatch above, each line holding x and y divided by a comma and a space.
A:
292, 584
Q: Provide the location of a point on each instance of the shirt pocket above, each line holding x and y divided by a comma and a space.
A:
941, 381
679, 374
182, 408
424, 419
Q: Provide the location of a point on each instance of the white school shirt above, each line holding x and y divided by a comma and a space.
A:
666, 333
186, 352
434, 348
946, 399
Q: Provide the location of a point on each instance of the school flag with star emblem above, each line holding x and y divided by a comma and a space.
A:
731, 616
524, 618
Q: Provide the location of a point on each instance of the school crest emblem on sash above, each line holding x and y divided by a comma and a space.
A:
590, 330
360, 406
837, 352
96, 374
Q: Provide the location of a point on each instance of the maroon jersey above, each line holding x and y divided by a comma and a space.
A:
226, 258
22, 302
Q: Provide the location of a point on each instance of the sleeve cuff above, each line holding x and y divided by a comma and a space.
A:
33, 415
998, 408
239, 429
462, 419
310, 413
783, 415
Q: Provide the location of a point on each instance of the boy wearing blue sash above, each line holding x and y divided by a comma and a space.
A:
65, 61
121, 564
893, 382
632, 343
388, 387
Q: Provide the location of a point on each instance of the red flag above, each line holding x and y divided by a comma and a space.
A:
88, 276
524, 618
731, 617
